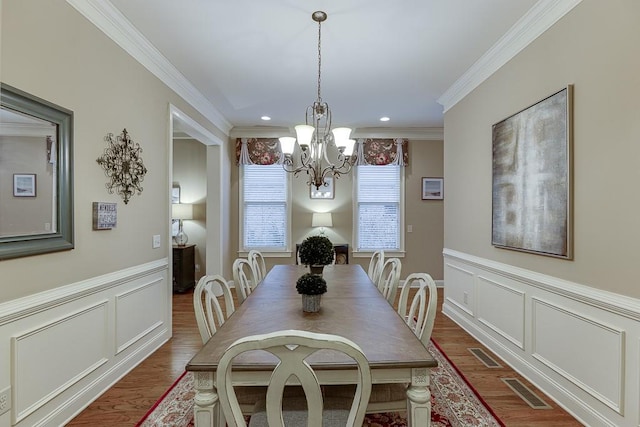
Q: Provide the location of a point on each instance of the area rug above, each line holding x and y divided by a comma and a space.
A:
454, 402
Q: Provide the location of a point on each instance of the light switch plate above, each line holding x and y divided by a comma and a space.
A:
156, 241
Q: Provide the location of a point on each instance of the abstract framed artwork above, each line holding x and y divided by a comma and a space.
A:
532, 178
432, 188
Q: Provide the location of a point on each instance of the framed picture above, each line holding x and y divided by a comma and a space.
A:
24, 185
531, 179
432, 188
325, 191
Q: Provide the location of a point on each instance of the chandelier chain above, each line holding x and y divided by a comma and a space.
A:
319, 56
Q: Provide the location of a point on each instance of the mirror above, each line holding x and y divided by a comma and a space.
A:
36, 185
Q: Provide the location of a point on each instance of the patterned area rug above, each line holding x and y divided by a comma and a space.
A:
454, 402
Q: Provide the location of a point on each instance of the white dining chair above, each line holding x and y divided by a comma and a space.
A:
258, 265
390, 278
375, 265
210, 315
420, 318
242, 278
292, 348
421, 313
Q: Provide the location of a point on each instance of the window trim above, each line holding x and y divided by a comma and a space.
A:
242, 250
400, 253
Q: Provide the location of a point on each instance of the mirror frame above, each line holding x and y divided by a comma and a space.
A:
27, 245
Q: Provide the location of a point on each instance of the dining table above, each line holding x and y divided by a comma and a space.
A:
352, 307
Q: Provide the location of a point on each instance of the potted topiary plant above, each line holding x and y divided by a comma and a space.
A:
316, 252
311, 287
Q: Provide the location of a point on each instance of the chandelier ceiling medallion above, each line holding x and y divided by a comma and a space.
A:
316, 136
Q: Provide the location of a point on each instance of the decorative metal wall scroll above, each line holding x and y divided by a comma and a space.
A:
123, 165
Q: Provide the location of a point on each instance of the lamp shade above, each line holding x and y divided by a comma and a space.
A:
323, 219
287, 143
181, 211
304, 134
341, 136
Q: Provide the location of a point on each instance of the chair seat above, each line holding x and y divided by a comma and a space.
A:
335, 412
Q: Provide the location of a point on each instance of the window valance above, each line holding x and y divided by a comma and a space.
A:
258, 151
370, 151
377, 151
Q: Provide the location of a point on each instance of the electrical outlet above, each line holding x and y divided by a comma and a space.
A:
5, 400
465, 297
156, 241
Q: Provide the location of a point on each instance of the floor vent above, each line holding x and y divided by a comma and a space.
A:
525, 393
482, 355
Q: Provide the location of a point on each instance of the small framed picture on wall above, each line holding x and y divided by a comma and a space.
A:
24, 185
324, 192
432, 188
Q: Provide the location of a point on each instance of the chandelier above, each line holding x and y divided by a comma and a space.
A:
316, 136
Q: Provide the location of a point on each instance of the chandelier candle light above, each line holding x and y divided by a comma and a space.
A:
316, 135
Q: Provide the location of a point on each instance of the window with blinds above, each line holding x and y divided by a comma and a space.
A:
378, 207
265, 213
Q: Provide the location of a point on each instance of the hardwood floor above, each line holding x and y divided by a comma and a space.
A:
129, 399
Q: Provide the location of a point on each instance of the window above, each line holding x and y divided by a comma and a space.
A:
379, 212
264, 205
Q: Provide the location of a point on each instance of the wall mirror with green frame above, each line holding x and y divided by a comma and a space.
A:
36, 197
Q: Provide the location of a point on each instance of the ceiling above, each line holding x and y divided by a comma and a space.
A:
253, 58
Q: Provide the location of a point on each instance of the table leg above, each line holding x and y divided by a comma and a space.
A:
206, 408
419, 399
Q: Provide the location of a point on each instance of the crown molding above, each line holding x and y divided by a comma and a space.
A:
110, 21
431, 134
536, 21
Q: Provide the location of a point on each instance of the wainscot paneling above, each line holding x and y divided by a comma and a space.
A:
600, 373
501, 309
578, 344
61, 349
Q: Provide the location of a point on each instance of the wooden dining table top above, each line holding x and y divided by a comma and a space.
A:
352, 307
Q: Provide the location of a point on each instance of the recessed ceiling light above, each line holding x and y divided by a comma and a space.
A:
384, 119
265, 118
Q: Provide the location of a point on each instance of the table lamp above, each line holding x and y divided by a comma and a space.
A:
322, 220
181, 211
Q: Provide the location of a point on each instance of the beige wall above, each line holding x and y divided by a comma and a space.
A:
190, 174
25, 215
423, 246
594, 47
51, 51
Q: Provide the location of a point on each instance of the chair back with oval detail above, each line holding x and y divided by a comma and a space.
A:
292, 348
210, 315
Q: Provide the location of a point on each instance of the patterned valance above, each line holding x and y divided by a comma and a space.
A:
258, 151
377, 151
369, 151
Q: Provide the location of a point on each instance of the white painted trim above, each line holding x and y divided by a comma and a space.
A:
592, 403
429, 134
536, 21
609, 301
28, 306
192, 128
110, 21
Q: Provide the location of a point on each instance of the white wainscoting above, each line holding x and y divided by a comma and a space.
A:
578, 344
61, 349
